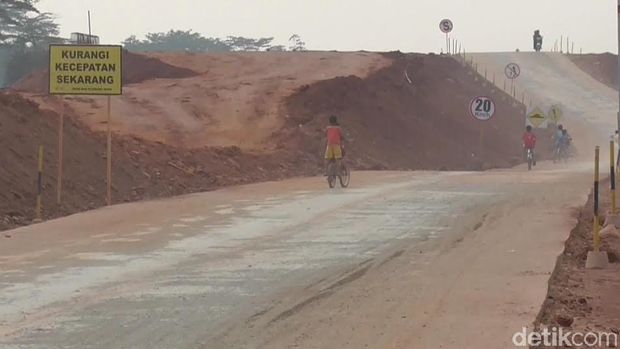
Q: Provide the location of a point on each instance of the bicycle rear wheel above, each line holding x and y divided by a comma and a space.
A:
331, 176
345, 176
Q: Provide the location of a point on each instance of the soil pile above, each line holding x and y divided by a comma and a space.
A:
412, 115
141, 170
602, 67
136, 68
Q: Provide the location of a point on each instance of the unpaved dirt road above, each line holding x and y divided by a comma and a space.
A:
274, 264
400, 260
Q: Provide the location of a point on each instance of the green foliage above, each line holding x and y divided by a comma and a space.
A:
189, 41
24, 35
175, 40
239, 43
21, 24
296, 44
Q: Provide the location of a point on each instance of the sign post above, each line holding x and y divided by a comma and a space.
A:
61, 132
618, 117
482, 108
512, 72
109, 155
86, 70
446, 27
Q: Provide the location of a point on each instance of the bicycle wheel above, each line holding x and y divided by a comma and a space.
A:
331, 177
530, 160
345, 176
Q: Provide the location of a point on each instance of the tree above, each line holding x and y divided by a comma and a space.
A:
24, 33
277, 48
175, 40
22, 24
296, 44
38, 30
239, 43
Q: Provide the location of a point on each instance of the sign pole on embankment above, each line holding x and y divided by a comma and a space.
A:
86, 70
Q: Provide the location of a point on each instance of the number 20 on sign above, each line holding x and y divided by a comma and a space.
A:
482, 108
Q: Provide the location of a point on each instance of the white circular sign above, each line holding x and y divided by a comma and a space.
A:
482, 108
446, 26
512, 71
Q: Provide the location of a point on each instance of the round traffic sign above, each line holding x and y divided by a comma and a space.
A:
512, 71
446, 26
482, 108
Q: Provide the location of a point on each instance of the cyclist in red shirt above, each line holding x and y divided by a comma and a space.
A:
335, 138
529, 142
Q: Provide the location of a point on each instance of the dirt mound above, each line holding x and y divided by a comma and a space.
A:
602, 67
392, 123
136, 68
142, 170
235, 101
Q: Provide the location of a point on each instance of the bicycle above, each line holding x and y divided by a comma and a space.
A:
530, 159
562, 152
344, 176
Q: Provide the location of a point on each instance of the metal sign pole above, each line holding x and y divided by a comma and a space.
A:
109, 156
61, 131
618, 117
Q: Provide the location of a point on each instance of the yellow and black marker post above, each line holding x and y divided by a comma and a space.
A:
612, 177
39, 184
595, 230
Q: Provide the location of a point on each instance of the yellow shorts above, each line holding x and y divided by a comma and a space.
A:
333, 151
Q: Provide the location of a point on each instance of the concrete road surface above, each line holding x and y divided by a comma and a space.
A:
246, 267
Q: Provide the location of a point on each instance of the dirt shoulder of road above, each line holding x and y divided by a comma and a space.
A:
580, 299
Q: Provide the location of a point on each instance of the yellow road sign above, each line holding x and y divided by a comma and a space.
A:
85, 70
536, 117
555, 114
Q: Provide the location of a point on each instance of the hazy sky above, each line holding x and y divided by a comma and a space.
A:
377, 25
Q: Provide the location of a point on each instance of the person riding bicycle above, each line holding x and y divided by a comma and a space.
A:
335, 138
565, 141
529, 143
557, 136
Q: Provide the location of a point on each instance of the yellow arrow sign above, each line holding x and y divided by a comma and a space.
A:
555, 114
536, 117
